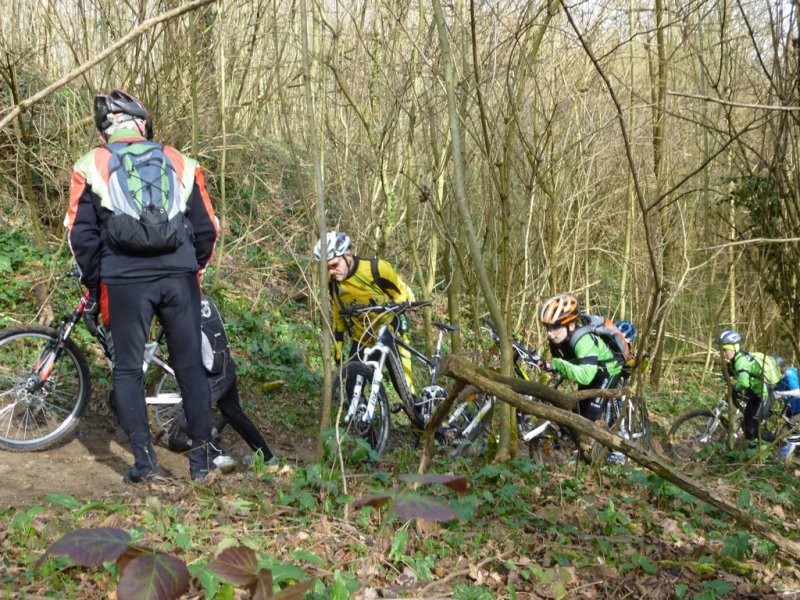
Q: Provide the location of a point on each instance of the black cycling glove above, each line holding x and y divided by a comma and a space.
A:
92, 307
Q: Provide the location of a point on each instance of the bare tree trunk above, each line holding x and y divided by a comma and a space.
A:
461, 199
324, 300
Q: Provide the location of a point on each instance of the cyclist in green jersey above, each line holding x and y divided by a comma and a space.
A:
580, 356
749, 386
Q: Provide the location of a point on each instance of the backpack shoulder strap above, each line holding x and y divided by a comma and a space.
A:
388, 288
577, 335
747, 356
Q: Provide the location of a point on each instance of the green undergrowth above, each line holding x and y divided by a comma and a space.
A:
516, 529
273, 339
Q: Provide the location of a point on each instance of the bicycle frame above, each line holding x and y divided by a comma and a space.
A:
385, 352
45, 362
720, 411
521, 354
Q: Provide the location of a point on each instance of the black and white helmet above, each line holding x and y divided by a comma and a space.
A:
119, 102
338, 243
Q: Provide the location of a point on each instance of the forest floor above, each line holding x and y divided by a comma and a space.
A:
526, 530
92, 462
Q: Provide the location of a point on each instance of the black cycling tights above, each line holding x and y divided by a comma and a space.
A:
175, 299
592, 408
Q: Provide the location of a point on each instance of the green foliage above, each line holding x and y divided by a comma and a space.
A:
480, 592
737, 545
21, 261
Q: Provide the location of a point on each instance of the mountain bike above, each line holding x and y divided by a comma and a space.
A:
466, 428
704, 430
628, 415
359, 393
45, 385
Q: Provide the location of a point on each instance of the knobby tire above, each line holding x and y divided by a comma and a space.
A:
40, 419
689, 434
469, 443
375, 433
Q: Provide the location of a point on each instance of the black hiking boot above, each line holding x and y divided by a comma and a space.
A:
145, 468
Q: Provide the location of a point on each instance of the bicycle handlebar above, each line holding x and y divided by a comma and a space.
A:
394, 307
73, 271
527, 354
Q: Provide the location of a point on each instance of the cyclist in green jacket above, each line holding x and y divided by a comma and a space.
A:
363, 281
749, 386
579, 356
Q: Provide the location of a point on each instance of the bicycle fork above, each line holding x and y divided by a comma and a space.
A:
477, 420
377, 381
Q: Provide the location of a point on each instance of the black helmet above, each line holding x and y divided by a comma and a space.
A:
120, 102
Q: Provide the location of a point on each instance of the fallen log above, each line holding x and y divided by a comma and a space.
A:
467, 373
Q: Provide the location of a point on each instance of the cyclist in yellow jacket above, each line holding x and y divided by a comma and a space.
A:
363, 281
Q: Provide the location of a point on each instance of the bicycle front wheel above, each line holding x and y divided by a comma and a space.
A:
695, 431
352, 388
636, 423
34, 413
472, 427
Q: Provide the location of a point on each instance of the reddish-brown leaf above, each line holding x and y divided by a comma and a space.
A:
263, 585
294, 592
154, 577
376, 500
457, 483
237, 565
91, 547
414, 506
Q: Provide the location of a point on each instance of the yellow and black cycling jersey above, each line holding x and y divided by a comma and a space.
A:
372, 281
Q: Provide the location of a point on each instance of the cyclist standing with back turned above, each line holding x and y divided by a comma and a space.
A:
141, 228
363, 281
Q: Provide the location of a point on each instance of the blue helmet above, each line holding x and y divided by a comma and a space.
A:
729, 336
627, 329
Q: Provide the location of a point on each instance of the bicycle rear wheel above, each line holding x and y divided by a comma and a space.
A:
165, 412
354, 385
36, 414
695, 431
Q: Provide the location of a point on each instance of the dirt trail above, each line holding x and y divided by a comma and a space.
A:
92, 462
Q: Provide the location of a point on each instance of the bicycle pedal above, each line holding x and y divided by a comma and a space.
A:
396, 408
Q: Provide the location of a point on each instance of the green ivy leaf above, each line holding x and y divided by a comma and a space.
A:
398, 546
744, 499
719, 586
64, 500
